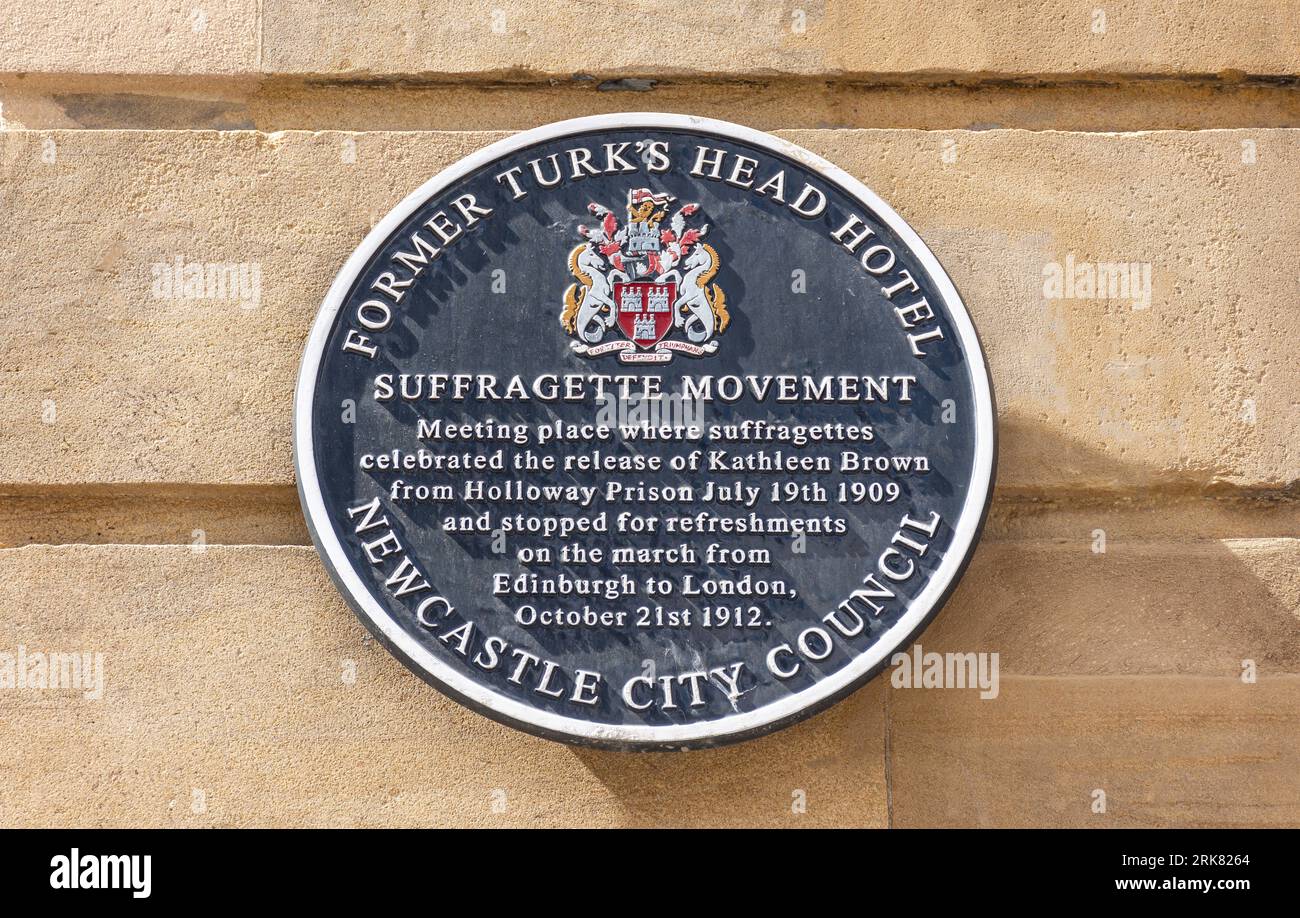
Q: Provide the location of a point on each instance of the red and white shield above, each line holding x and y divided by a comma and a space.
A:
645, 310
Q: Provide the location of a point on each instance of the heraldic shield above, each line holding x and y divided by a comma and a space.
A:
645, 310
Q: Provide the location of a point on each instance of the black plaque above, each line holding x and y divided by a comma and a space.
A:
644, 431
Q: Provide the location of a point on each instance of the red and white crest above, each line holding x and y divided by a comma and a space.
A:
647, 278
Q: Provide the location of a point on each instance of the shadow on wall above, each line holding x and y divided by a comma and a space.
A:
1122, 638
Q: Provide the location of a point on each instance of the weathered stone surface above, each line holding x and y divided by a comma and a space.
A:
107, 381
151, 515
1166, 751
1112, 393
116, 36
1156, 517
570, 39
240, 691
1142, 606
756, 36
153, 102
128, 384
238, 673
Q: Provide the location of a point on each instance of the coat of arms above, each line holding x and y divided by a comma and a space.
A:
646, 281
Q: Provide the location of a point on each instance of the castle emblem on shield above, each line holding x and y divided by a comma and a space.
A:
646, 281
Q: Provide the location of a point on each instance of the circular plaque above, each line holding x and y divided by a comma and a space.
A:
644, 431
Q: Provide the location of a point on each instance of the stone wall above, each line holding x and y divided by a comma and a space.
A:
1140, 573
